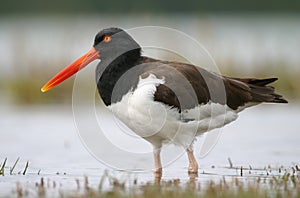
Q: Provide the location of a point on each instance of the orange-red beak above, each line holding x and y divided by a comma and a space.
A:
72, 69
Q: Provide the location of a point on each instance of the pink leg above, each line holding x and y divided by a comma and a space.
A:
193, 167
157, 162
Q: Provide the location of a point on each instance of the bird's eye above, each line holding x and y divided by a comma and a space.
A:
107, 38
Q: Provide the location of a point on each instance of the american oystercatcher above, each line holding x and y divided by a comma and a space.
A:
165, 101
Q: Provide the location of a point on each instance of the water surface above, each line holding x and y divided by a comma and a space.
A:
47, 137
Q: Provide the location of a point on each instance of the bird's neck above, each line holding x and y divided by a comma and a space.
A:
111, 79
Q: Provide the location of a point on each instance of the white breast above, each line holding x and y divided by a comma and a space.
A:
159, 123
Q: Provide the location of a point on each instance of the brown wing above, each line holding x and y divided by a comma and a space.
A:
186, 86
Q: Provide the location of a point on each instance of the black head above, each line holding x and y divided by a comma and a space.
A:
113, 42
111, 46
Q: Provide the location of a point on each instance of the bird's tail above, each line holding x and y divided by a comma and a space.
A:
261, 92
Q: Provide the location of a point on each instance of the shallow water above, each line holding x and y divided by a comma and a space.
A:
47, 137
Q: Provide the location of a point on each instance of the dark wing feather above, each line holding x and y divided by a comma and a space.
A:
186, 86
255, 81
260, 92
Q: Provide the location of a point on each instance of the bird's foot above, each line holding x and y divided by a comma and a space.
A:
193, 177
193, 169
193, 165
157, 175
158, 171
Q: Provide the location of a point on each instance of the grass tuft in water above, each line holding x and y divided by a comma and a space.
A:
263, 186
230, 163
26, 167
237, 188
2, 167
13, 167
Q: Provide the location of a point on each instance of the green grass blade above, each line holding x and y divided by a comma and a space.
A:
12, 169
3, 166
26, 166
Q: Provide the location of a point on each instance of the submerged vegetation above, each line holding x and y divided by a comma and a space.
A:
14, 166
279, 182
11, 170
255, 182
2, 167
283, 185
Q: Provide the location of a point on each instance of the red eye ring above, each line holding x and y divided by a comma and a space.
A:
106, 39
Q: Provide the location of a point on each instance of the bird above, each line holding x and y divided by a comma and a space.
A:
165, 101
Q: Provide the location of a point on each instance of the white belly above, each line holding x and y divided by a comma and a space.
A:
159, 123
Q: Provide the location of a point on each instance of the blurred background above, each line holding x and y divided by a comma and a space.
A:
249, 38
246, 39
